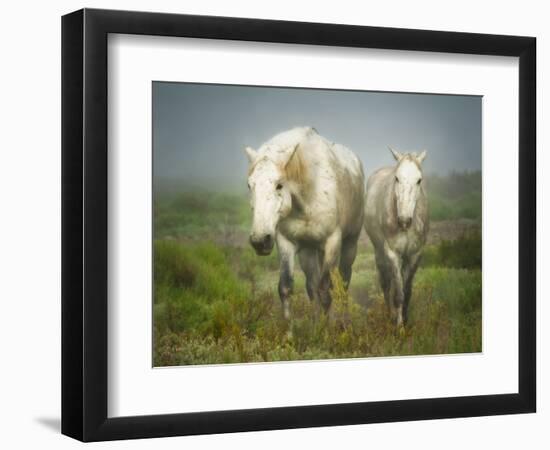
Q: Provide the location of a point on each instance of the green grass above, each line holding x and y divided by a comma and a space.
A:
216, 301
192, 213
207, 312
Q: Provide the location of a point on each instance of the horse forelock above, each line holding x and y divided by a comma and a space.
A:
252, 167
404, 167
412, 157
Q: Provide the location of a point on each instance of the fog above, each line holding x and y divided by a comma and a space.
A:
200, 130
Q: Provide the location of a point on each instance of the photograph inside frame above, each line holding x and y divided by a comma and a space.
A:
295, 224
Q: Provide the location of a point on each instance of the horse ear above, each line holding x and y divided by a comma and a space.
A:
421, 157
396, 154
291, 155
251, 154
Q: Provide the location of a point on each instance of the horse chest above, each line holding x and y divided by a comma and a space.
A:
303, 230
405, 242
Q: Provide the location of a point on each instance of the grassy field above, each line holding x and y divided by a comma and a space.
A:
215, 300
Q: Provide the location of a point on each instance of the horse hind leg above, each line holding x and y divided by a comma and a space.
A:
332, 252
347, 257
407, 292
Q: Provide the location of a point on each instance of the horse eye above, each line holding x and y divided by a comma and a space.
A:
397, 179
419, 181
279, 186
248, 184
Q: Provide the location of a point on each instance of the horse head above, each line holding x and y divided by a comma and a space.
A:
270, 182
407, 185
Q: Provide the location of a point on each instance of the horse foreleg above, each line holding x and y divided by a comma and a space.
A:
397, 296
331, 259
384, 274
287, 252
408, 274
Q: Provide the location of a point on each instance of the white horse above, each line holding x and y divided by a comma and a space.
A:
397, 222
307, 197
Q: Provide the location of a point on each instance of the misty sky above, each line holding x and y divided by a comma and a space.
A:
200, 130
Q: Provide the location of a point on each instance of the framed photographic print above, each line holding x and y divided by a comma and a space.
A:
273, 224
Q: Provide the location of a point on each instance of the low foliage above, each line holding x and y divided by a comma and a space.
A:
208, 310
461, 253
216, 301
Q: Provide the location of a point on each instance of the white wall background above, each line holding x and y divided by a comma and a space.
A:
30, 226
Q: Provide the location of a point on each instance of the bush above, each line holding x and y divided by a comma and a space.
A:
462, 253
189, 281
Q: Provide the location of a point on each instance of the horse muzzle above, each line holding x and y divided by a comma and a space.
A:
404, 222
263, 244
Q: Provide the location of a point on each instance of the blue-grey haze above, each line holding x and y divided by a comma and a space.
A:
200, 130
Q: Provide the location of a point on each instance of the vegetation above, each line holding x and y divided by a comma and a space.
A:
205, 313
455, 196
180, 211
216, 301
461, 253
189, 214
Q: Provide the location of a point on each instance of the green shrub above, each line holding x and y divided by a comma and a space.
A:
462, 253
188, 283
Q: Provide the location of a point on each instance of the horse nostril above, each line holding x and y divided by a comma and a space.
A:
261, 240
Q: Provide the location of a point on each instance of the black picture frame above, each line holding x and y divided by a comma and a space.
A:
84, 224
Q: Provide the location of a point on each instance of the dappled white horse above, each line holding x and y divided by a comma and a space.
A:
307, 197
396, 220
